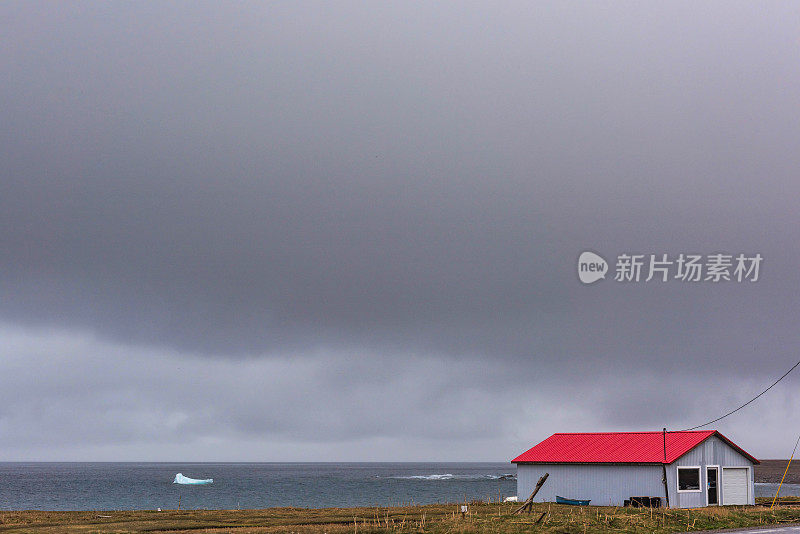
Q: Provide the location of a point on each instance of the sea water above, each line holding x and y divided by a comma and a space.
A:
768, 489
142, 486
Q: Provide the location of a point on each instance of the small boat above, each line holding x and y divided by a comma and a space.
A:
573, 502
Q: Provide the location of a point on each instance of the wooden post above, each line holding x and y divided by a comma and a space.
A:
529, 503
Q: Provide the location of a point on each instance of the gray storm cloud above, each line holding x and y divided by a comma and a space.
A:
346, 197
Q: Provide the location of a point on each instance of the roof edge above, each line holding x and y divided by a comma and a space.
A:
671, 460
523, 462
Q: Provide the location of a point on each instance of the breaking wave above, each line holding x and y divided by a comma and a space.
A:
450, 476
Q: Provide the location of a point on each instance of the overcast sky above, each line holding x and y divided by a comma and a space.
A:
350, 231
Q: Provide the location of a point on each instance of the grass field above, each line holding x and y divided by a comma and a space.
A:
481, 518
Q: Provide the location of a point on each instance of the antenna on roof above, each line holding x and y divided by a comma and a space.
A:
664, 468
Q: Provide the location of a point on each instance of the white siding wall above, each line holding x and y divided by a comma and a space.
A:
605, 485
612, 484
712, 451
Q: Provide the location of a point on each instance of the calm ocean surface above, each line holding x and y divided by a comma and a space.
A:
125, 486
768, 489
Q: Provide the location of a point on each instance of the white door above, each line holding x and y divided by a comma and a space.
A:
735, 482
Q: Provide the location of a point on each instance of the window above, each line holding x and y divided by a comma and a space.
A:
689, 479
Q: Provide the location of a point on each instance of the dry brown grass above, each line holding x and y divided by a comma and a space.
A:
482, 518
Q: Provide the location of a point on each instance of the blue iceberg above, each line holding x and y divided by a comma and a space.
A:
180, 479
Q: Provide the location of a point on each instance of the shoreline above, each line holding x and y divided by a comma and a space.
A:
771, 471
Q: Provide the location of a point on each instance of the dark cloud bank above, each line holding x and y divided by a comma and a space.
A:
358, 225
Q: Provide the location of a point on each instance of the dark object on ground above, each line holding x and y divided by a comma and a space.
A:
643, 502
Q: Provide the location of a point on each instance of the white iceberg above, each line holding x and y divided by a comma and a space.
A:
180, 479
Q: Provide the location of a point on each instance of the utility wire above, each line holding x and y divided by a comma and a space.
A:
746, 403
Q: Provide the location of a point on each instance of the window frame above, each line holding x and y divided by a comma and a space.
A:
699, 469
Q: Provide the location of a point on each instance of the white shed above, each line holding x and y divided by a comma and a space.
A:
702, 468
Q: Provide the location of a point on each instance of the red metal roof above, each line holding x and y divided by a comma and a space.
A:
619, 447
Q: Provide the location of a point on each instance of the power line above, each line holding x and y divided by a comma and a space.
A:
746, 403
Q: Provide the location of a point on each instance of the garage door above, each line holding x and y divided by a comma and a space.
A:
734, 485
